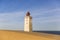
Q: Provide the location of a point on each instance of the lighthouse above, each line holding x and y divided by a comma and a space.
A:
28, 22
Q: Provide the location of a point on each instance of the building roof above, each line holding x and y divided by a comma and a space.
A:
28, 13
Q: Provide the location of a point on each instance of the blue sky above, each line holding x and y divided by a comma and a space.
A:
45, 13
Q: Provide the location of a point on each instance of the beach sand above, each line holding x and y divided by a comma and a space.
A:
20, 35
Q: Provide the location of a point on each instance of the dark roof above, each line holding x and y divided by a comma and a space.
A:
28, 14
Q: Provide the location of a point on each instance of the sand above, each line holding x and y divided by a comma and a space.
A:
20, 35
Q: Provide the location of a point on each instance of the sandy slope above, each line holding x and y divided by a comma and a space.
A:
19, 35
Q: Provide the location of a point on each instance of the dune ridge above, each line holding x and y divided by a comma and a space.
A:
21, 35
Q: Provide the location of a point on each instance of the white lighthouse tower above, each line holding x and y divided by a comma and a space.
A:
28, 23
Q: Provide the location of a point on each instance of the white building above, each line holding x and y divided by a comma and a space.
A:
28, 23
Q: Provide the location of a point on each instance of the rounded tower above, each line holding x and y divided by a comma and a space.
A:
28, 22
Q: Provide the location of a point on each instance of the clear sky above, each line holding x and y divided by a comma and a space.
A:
45, 14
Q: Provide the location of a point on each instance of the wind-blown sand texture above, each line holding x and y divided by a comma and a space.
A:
20, 35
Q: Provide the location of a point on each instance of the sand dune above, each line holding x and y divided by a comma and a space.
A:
20, 35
